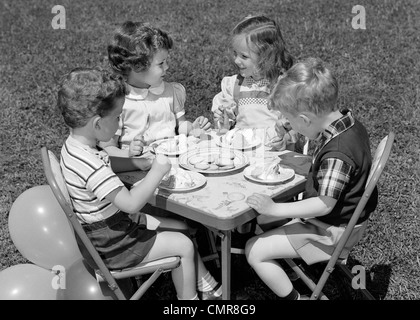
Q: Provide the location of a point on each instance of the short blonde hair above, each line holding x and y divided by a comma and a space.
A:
307, 86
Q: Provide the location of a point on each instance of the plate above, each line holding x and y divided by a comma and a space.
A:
248, 135
285, 174
198, 179
211, 156
170, 146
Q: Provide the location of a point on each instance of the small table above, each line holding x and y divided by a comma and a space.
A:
221, 203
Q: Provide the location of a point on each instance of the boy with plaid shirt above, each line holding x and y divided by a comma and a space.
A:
307, 97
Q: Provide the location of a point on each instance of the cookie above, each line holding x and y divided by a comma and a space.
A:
195, 159
214, 167
202, 166
224, 161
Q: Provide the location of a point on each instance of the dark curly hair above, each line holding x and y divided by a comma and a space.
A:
133, 46
87, 92
264, 37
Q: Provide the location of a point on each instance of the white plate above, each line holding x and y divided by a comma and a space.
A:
285, 175
239, 159
163, 146
225, 140
198, 179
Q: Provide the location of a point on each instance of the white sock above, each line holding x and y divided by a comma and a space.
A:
194, 298
208, 283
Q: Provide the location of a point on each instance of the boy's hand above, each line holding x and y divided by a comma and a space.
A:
262, 203
136, 146
161, 164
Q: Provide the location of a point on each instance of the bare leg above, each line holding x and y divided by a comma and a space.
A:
183, 277
261, 252
162, 223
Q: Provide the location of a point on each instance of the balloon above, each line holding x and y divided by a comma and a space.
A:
27, 282
40, 230
81, 284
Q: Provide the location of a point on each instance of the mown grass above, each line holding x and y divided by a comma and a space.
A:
378, 70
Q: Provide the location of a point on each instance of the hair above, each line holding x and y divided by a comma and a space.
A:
88, 92
264, 37
309, 86
134, 45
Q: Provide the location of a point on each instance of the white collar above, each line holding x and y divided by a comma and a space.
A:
141, 93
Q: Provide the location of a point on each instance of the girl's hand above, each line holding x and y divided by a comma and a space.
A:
162, 164
262, 203
136, 146
221, 119
280, 142
200, 125
144, 164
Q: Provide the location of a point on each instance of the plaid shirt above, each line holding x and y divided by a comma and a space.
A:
334, 174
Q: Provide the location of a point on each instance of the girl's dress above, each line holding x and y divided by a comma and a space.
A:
151, 112
246, 103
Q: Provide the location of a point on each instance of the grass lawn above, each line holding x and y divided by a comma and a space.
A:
378, 70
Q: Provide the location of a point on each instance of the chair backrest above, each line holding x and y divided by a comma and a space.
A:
56, 181
379, 161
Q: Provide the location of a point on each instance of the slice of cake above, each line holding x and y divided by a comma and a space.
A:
177, 178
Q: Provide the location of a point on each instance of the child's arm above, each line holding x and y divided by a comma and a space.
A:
135, 148
307, 208
122, 164
112, 148
135, 199
286, 136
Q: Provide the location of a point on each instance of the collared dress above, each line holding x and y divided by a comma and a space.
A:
163, 104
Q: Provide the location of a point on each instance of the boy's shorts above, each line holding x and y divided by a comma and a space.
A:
315, 240
121, 240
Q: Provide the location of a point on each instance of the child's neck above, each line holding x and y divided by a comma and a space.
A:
83, 138
325, 121
136, 83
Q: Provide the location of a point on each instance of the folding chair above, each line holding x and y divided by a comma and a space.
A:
155, 268
380, 159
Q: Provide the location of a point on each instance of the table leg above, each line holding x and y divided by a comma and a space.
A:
226, 263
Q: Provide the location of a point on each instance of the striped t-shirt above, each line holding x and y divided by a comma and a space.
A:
89, 179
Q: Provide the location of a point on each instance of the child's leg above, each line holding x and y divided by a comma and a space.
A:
205, 282
183, 277
262, 251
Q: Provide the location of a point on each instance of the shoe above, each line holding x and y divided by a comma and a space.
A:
293, 276
241, 296
209, 295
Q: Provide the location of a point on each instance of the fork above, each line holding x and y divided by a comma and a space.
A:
147, 148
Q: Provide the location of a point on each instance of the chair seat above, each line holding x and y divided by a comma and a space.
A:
165, 264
